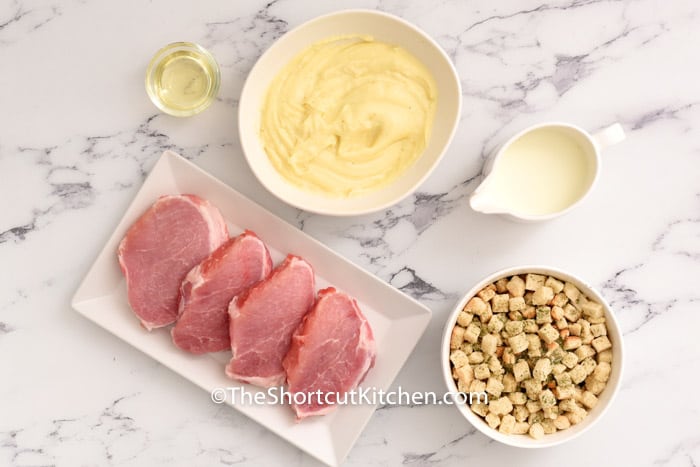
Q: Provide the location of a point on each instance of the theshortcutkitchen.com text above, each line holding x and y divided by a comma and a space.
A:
276, 395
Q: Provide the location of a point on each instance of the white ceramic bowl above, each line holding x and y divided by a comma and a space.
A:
605, 398
383, 27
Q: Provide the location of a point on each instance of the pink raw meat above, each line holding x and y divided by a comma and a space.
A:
263, 320
202, 325
159, 249
331, 351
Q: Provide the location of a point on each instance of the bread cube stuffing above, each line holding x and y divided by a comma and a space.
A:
592, 310
529, 312
548, 426
500, 406
558, 315
477, 386
480, 409
458, 358
567, 364
533, 406
465, 374
578, 374
530, 326
508, 356
517, 398
495, 366
507, 425
487, 293
534, 345
558, 368
572, 343
548, 333
509, 383
554, 284
482, 371
516, 286
518, 343
570, 360
589, 399
599, 330
589, 365
550, 412
547, 399
500, 303
571, 292
501, 285
521, 427
584, 352
594, 385
471, 334
601, 343
542, 296
464, 319
493, 420
560, 300
575, 417
495, 325
520, 413
489, 343
542, 369
516, 304
533, 388
563, 379
521, 371
514, 327
536, 431
562, 423
475, 358
457, 337
564, 392
534, 281
543, 315
575, 329
485, 316
568, 405
602, 371
475, 306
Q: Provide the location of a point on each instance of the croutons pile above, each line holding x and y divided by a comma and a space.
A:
540, 350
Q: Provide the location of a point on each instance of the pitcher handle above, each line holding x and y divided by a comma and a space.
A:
609, 136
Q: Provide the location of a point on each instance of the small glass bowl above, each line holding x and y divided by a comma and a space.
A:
198, 69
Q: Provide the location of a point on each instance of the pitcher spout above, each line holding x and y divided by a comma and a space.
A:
480, 201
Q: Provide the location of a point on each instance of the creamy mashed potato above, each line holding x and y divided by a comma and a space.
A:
348, 115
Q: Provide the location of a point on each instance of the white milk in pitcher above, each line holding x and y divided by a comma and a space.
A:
542, 172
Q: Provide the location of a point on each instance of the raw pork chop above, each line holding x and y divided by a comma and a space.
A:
331, 351
263, 320
202, 325
168, 240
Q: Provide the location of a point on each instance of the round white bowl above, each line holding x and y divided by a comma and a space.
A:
383, 27
604, 400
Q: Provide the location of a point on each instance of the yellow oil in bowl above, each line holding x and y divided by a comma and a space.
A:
182, 79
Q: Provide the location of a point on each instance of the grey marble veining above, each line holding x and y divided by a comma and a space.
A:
78, 136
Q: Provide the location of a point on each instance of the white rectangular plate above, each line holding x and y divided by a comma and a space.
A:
397, 320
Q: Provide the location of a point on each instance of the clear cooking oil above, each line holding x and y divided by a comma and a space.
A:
182, 79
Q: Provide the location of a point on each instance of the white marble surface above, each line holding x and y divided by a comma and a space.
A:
78, 135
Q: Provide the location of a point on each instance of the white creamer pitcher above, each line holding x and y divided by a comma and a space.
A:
543, 172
